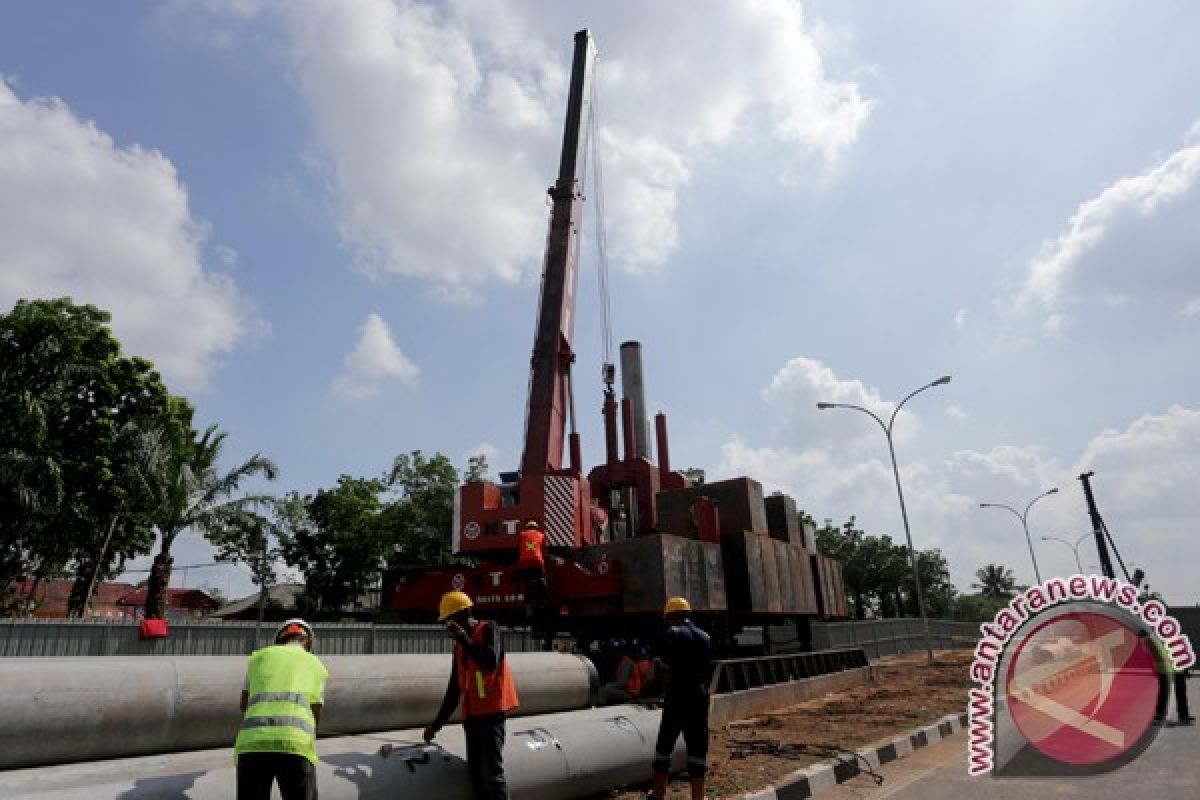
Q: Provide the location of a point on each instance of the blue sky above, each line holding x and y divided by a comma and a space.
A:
324, 221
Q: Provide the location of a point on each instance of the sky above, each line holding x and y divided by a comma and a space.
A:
324, 222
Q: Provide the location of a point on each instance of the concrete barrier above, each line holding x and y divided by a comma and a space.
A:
750, 702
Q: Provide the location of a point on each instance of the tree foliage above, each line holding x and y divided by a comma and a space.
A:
996, 581
877, 573
344, 537
198, 495
77, 420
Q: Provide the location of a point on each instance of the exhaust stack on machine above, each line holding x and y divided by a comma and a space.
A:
633, 385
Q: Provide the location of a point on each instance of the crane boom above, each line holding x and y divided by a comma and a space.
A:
487, 516
550, 388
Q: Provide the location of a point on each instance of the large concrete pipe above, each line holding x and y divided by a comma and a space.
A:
576, 754
59, 710
633, 384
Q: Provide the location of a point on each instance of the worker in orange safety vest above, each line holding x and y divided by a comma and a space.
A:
531, 563
481, 680
630, 677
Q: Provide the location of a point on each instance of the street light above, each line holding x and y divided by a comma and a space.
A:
1074, 547
912, 555
1025, 523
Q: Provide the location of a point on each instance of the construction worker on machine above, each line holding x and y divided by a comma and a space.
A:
531, 563
627, 679
481, 679
686, 659
282, 699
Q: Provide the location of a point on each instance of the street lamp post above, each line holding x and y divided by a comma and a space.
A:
912, 554
1074, 547
1025, 523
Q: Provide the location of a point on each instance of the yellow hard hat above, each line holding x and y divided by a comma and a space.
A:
676, 605
452, 603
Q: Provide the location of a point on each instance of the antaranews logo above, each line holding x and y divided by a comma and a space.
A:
1068, 678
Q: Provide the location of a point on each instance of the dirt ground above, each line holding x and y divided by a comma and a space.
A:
749, 754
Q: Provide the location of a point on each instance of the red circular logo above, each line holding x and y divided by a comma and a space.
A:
1082, 688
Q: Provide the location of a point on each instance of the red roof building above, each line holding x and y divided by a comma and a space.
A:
111, 600
192, 602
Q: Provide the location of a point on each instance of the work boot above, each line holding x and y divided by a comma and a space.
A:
658, 790
697, 788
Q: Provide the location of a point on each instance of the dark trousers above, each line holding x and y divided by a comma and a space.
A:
688, 716
1181, 698
536, 585
297, 776
485, 756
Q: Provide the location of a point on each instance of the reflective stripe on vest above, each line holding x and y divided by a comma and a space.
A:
483, 693
282, 682
279, 722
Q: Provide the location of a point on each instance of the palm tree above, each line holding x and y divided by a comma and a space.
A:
995, 581
201, 498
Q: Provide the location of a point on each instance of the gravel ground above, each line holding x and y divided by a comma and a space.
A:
749, 754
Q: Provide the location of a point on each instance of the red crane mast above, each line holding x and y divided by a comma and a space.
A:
488, 516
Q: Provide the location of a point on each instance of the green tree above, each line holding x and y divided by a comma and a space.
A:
420, 516
198, 496
694, 474
335, 539
74, 420
995, 581
251, 539
940, 593
977, 607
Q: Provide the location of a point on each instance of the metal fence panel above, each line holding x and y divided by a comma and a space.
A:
887, 637
101, 637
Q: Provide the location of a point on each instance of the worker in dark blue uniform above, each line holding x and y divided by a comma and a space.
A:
686, 660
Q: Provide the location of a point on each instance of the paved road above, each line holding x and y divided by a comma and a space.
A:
1168, 770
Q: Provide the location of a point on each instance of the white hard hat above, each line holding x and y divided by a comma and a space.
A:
294, 622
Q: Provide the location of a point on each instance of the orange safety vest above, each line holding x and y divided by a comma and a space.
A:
644, 667
530, 543
634, 687
483, 693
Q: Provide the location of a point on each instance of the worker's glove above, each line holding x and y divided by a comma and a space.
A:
430, 732
456, 631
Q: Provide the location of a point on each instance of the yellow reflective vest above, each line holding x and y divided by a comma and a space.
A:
283, 682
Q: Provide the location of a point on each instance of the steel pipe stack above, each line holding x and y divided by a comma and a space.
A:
63, 710
576, 754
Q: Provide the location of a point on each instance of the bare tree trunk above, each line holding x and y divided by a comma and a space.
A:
156, 588
100, 561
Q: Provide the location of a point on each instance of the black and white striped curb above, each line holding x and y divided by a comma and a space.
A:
818, 778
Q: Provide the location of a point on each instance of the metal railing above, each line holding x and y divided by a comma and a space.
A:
738, 674
100, 637
889, 637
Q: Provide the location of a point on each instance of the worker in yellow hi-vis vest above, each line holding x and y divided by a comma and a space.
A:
282, 699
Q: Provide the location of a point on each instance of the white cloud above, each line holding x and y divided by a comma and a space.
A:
802, 382
960, 318
1146, 487
1192, 308
82, 217
956, 413
439, 156
375, 359
1137, 238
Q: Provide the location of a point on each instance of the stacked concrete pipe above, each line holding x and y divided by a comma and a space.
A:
576, 754
63, 710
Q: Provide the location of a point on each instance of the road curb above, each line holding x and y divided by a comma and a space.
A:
818, 778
